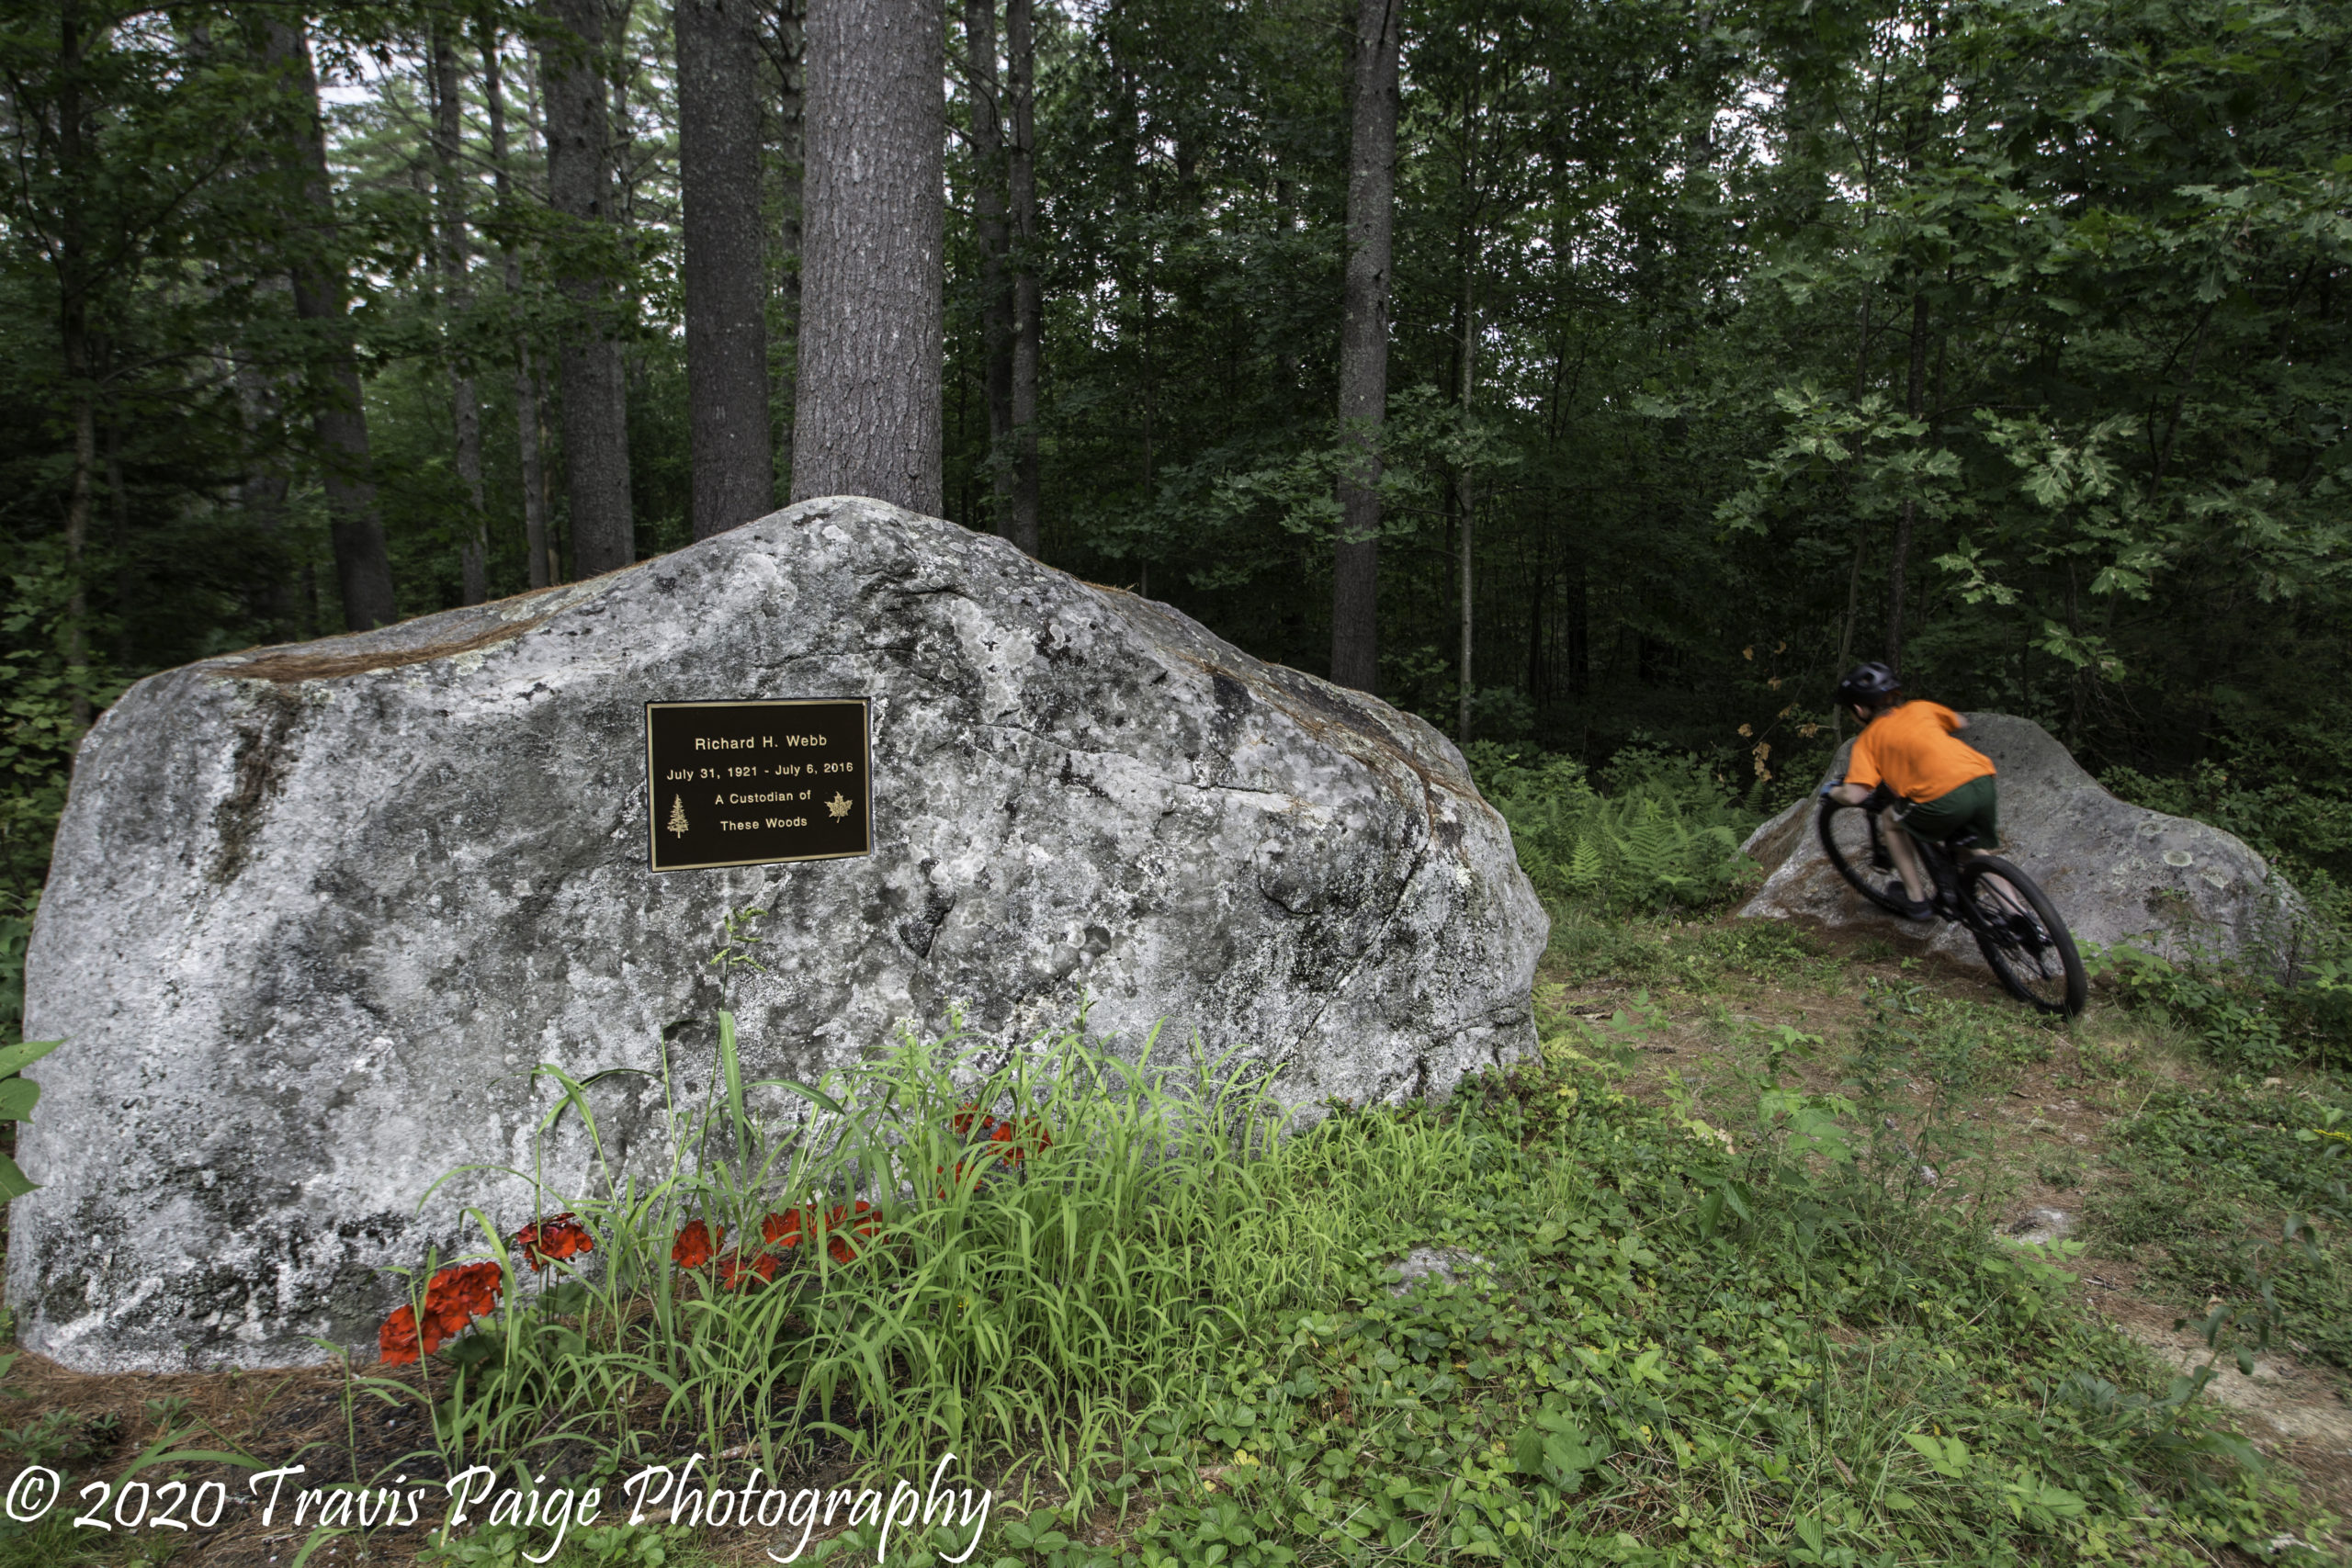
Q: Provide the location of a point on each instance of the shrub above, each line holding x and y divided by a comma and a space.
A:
2289, 811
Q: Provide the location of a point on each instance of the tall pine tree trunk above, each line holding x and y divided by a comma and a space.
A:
989, 225
1021, 524
457, 299
73, 334
785, 39
580, 185
1363, 342
1914, 394
540, 566
1579, 628
262, 493
869, 415
1466, 482
363, 568
727, 325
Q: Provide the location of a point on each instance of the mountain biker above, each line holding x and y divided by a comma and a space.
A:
1911, 748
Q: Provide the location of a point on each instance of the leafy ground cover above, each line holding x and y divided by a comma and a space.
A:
1724, 1276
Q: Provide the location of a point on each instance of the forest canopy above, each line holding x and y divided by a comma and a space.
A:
1739, 340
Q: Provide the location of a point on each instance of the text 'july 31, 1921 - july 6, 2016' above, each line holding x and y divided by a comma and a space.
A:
753, 782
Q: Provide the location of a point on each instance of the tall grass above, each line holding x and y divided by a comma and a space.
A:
1033, 1294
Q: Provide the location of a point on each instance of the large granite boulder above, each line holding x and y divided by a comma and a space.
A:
316, 911
2117, 872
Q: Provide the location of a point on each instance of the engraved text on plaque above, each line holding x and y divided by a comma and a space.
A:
753, 782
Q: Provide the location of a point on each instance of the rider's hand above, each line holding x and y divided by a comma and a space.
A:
1830, 789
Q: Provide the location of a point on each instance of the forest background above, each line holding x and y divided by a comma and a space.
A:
1730, 342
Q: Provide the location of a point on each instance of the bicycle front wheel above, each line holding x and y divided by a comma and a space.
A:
2022, 938
1850, 837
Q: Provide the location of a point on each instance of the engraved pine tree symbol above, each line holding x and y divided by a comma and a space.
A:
838, 805
677, 823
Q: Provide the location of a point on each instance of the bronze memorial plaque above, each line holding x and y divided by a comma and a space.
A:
754, 783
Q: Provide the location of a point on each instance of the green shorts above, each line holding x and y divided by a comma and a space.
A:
1976, 803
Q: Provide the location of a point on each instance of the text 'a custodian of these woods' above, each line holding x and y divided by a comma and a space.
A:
660, 1493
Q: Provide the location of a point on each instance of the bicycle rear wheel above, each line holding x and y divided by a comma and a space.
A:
2022, 938
1850, 837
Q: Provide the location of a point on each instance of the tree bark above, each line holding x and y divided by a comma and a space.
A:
727, 325
1363, 343
1028, 296
990, 194
1580, 629
261, 494
784, 40
73, 334
580, 185
457, 297
868, 414
540, 566
363, 568
1466, 481
1914, 405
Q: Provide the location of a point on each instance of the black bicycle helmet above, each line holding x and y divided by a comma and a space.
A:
1868, 685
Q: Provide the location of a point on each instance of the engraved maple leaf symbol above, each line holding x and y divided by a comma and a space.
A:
838, 805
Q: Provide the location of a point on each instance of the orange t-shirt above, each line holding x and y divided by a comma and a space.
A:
1912, 750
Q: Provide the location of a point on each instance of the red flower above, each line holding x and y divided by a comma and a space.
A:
694, 1246
839, 1218
397, 1339
1020, 1140
453, 1298
963, 1121
736, 1273
781, 1230
545, 1240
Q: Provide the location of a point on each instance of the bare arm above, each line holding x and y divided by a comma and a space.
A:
1850, 793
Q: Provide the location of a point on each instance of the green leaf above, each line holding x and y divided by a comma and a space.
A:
13, 1183
17, 1058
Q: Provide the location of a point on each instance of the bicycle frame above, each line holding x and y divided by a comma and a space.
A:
2017, 929
1938, 860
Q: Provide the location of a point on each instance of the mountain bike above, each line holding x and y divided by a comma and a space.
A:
2014, 925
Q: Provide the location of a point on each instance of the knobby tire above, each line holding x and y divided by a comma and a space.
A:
2035, 958
1855, 860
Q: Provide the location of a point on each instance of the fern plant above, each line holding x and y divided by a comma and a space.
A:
1665, 834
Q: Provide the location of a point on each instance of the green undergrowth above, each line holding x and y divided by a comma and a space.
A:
2243, 1018
1764, 1326
1589, 948
1674, 1341
2203, 1182
1657, 834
